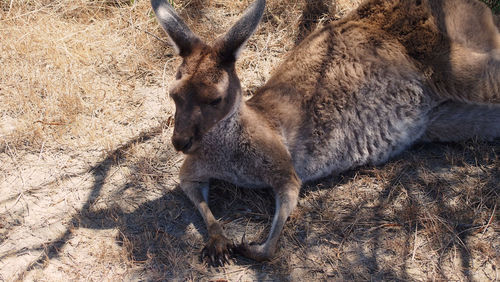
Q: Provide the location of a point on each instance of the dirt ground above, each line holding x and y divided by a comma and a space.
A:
88, 177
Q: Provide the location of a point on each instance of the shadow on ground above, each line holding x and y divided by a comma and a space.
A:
426, 207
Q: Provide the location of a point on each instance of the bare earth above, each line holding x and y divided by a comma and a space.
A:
88, 177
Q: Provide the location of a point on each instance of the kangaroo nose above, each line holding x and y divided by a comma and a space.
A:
182, 143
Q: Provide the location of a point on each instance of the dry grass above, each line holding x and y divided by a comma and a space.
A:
88, 175
70, 69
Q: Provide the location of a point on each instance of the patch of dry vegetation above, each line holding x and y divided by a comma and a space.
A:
88, 176
70, 68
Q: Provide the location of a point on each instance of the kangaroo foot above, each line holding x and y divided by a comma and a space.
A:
218, 250
257, 252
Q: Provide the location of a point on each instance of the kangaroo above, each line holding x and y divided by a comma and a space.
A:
356, 92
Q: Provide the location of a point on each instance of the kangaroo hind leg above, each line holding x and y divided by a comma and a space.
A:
454, 121
286, 197
470, 70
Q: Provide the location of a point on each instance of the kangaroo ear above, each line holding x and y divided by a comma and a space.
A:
231, 44
182, 38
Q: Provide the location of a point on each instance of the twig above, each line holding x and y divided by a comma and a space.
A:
415, 243
148, 33
17, 200
151, 34
41, 150
391, 225
164, 72
50, 123
484, 228
25, 14
10, 7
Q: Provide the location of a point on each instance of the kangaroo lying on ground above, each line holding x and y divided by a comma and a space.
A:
356, 92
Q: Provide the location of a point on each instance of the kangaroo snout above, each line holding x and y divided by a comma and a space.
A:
182, 142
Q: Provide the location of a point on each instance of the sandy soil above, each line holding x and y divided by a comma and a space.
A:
88, 177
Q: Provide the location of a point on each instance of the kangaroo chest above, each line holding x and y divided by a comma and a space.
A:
227, 155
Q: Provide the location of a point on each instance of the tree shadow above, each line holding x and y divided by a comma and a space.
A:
86, 217
337, 232
375, 233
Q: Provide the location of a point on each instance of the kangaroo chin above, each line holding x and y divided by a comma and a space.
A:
356, 92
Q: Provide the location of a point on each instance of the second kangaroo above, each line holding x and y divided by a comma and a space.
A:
358, 91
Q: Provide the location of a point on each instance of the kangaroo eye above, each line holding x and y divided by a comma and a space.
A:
215, 102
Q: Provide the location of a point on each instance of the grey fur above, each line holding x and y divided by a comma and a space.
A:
356, 92
181, 37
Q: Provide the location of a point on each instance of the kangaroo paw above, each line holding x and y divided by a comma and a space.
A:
218, 250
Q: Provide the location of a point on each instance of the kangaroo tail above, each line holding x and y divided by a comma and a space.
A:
454, 121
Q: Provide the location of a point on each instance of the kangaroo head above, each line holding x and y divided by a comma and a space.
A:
206, 89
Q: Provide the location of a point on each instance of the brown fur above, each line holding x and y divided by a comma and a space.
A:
356, 92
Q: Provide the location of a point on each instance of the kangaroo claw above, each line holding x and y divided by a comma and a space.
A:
217, 251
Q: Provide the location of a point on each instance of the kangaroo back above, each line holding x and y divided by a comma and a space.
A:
454, 43
355, 92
